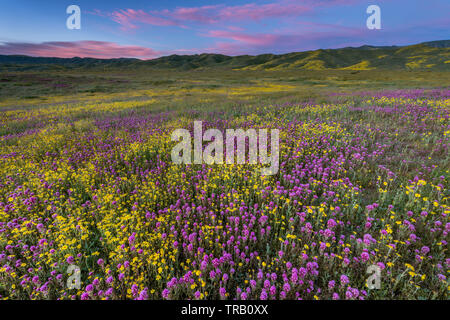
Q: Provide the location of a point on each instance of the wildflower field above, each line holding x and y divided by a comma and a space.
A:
86, 179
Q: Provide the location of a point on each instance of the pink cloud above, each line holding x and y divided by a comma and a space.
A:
256, 39
251, 11
128, 17
93, 49
203, 14
210, 14
258, 12
244, 43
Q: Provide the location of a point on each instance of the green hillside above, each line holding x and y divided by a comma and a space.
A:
434, 55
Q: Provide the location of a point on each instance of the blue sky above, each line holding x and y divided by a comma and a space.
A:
148, 29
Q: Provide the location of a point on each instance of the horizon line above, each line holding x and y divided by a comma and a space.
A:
213, 53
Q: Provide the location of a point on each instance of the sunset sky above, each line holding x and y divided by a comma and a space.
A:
149, 29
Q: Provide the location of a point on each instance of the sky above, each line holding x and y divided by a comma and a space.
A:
150, 29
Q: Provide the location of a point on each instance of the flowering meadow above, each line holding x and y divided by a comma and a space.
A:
363, 181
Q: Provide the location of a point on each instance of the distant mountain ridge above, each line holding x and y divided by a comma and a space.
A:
432, 55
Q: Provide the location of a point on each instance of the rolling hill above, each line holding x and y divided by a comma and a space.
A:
434, 55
